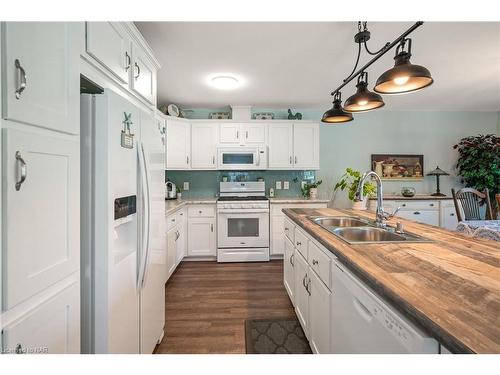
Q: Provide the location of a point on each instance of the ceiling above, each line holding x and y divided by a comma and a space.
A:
294, 64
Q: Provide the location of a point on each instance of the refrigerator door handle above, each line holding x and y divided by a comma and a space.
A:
144, 228
148, 217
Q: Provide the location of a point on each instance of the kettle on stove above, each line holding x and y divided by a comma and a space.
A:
170, 190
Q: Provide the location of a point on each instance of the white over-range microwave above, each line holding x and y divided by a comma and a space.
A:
242, 157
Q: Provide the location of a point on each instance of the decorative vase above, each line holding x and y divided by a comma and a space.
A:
313, 193
360, 205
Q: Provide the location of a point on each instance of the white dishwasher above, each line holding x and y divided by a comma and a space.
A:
363, 323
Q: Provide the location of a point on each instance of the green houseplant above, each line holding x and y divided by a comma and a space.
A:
479, 162
310, 190
350, 181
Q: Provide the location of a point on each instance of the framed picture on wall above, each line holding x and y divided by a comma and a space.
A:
398, 166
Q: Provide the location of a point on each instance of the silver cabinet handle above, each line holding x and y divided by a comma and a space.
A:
299, 243
213, 160
290, 160
432, 204
416, 213
237, 134
211, 228
127, 59
308, 286
246, 136
187, 159
295, 160
403, 205
315, 262
19, 349
452, 214
23, 170
304, 281
138, 71
291, 260
21, 79
286, 229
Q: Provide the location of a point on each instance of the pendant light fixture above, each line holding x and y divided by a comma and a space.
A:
336, 114
404, 77
364, 100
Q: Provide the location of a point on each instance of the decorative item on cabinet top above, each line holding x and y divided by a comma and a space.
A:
264, 116
296, 116
219, 116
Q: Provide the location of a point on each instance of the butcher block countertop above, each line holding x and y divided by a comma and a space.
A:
450, 287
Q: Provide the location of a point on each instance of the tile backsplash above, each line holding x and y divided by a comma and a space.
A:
205, 184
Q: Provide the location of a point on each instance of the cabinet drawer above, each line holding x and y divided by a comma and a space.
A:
301, 242
171, 221
201, 211
289, 230
421, 216
319, 262
418, 205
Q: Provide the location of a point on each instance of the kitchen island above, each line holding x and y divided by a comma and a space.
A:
449, 287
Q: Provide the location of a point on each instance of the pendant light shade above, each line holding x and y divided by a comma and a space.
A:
404, 77
336, 114
364, 100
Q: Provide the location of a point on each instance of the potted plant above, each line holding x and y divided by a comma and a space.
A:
310, 190
179, 194
350, 181
479, 162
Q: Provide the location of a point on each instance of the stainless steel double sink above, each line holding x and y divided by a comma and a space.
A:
356, 230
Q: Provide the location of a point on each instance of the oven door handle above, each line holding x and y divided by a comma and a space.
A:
242, 212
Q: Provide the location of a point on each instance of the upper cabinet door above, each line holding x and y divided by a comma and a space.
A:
41, 180
108, 43
306, 146
203, 145
178, 145
254, 133
41, 71
230, 133
144, 75
280, 146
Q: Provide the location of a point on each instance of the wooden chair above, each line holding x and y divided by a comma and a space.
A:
470, 202
497, 197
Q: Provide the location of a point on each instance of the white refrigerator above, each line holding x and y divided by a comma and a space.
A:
123, 226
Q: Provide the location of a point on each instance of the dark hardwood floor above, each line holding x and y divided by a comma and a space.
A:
207, 304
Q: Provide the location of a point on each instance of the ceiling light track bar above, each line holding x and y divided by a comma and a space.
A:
382, 52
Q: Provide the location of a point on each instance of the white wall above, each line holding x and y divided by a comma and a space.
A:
432, 134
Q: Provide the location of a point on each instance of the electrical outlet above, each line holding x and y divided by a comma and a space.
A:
278, 185
186, 185
286, 185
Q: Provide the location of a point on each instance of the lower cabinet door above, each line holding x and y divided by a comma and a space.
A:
41, 195
289, 269
171, 250
201, 237
181, 243
449, 218
277, 245
52, 327
301, 291
319, 315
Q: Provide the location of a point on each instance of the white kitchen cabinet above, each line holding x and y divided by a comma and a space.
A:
42, 79
42, 238
306, 146
430, 217
182, 238
171, 251
280, 146
143, 80
243, 133
449, 217
319, 315
52, 327
109, 44
203, 145
201, 237
301, 291
289, 269
178, 144
277, 243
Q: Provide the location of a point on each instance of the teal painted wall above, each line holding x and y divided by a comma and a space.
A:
432, 134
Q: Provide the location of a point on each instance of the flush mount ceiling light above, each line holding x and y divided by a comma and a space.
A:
404, 77
336, 114
224, 82
364, 100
